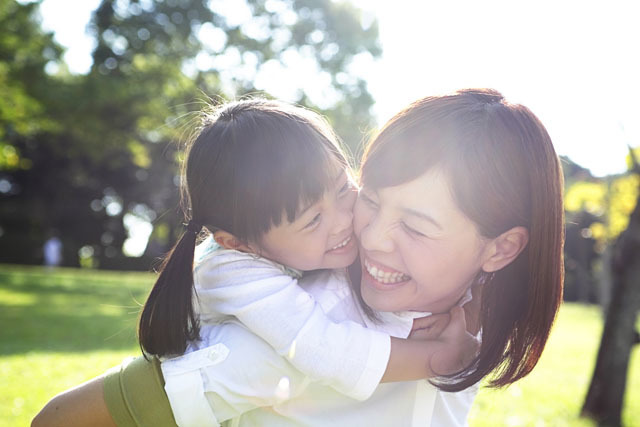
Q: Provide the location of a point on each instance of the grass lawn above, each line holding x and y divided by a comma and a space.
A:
60, 329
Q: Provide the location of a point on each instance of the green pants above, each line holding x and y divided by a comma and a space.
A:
134, 394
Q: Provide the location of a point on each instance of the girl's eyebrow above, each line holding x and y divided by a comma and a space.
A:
421, 215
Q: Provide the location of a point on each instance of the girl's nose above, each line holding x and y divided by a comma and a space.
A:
343, 220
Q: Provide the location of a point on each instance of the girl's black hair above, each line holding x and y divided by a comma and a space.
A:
252, 162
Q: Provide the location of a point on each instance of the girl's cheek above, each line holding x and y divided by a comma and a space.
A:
359, 217
349, 200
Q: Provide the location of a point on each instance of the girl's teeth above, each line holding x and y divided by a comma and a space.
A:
341, 244
385, 277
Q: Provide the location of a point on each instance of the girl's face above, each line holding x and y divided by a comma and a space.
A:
418, 250
321, 236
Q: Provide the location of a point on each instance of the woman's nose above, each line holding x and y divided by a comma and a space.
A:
375, 236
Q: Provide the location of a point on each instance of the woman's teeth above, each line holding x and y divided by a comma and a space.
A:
385, 276
341, 244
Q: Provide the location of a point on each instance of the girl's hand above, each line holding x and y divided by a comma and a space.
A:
438, 345
429, 327
456, 347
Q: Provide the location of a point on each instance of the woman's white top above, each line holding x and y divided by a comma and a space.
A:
234, 377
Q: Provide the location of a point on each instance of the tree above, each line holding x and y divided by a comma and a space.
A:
24, 53
606, 391
597, 211
110, 154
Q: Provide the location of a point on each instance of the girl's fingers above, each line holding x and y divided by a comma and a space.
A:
428, 328
429, 321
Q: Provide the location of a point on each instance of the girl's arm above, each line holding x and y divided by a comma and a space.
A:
344, 355
241, 372
434, 350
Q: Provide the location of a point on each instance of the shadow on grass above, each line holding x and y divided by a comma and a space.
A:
69, 311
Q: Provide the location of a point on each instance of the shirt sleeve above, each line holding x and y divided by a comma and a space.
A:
346, 355
239, 373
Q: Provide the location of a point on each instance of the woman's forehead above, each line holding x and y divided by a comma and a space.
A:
429, 195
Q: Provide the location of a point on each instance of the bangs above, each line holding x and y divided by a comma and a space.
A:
256, 163
476, 144
402, 153
290, 167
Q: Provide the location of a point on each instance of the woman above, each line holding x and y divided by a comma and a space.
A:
461, 194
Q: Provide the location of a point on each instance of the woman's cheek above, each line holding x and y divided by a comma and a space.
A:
416, 255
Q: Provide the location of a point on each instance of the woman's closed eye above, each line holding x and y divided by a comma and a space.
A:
412, 230
368, 201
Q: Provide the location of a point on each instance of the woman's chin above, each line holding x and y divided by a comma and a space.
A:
379, 300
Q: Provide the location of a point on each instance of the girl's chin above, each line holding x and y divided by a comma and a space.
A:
343, 259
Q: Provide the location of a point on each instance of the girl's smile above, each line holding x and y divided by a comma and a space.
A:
321, 236
344, 246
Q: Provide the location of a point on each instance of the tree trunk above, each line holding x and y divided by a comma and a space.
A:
606, 392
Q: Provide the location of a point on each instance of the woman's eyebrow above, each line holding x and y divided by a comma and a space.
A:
421, 215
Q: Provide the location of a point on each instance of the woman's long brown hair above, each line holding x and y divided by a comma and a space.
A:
503, 172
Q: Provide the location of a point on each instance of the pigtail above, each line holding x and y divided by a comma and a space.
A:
168, 319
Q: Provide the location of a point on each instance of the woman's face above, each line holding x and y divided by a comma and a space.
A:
418, 250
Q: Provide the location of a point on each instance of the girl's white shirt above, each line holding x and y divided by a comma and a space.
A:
232, 376
266, 298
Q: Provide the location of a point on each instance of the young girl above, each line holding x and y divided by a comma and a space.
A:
272, 185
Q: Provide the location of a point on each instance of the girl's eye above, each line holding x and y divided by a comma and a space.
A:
313, 222
413, 230
345, 189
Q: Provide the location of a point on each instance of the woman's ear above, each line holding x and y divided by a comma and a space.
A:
229, 241
505, 248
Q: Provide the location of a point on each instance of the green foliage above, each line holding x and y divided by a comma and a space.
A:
80, 153
610, 200
71, 325
24, 52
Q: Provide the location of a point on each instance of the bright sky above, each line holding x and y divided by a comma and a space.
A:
571, 62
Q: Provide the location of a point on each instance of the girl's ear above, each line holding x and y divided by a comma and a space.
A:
505, 248
229, 241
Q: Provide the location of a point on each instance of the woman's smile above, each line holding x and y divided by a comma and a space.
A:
382, 274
